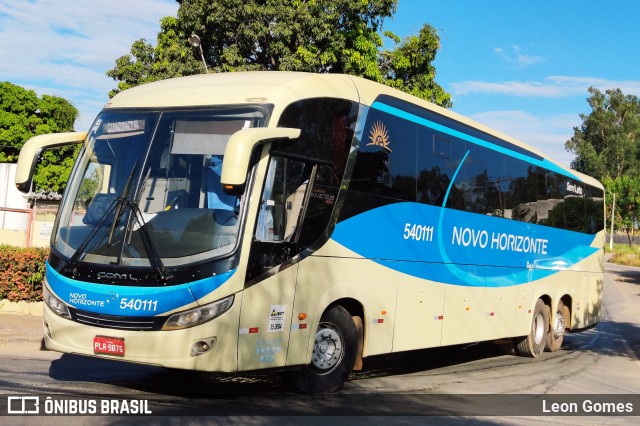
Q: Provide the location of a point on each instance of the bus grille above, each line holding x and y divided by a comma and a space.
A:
117, 322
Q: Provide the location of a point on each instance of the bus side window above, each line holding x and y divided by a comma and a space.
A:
319, 207
282, 199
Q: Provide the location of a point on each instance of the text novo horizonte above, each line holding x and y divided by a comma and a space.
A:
481, 238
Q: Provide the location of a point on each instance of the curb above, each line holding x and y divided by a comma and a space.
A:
21, 308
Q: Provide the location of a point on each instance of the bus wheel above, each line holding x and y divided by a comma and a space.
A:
555, 336
334, 354
533, 344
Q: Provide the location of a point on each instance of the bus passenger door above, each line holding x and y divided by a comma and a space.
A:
267, 302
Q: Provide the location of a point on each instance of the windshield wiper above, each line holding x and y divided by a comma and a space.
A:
91, 236
116, 207
154, 258
121, 202
99, 226
152, 252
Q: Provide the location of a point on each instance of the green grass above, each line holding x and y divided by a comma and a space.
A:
623, 254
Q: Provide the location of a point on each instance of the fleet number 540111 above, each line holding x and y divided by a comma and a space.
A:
416, 232
139, 304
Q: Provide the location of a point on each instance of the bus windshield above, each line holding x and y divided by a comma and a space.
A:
147, 185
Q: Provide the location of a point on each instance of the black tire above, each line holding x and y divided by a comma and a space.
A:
555, 336
334, 354
534, 343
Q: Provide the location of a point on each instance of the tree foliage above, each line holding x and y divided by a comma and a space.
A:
337, 36
607, 144
627, 208
54, 169
607, 147
24, 115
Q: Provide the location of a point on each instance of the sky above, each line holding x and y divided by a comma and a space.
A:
521, 67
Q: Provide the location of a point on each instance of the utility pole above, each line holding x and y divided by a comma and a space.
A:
613, 209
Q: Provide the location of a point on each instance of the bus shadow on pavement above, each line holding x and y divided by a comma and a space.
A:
185, 383
160, 380
608, 338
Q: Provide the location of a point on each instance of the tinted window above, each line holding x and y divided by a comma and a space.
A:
550, 205
399, 159
327, 131
386, 159
594, 207
521, 197
438, 159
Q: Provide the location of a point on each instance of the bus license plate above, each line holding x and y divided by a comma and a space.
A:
106, 345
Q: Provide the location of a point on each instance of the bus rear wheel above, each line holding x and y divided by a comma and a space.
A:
556, 331
335, 348
534, 343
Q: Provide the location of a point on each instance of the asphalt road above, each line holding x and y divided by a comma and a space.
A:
475, 381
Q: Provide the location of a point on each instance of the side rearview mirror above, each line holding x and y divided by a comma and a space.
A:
33, 148
237, 154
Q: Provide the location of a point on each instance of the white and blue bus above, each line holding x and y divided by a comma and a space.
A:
302, 222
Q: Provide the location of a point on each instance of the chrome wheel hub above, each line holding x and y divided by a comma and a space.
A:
327, 349
558, 326
538, 329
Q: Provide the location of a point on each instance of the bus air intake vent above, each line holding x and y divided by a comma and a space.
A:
117, 322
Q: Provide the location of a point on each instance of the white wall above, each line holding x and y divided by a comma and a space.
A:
12, 198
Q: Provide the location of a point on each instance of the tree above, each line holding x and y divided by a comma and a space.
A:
338, 36
607, 144
24, 115
627, 211
410, 66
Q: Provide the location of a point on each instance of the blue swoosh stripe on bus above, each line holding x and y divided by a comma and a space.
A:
493, 260
453, 178
109, 299
458, 134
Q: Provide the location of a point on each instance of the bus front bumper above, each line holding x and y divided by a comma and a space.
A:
207, 347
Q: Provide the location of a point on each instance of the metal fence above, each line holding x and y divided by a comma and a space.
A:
27, 227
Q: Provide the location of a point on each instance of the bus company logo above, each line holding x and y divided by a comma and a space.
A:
379, 136
113, 297
23, 405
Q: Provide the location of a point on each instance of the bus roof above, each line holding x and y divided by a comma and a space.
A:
273, 87
281, 88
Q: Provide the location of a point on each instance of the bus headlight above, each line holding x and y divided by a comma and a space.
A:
199, 315
55, 304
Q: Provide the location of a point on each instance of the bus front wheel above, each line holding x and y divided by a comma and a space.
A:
534, 343
335, 348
